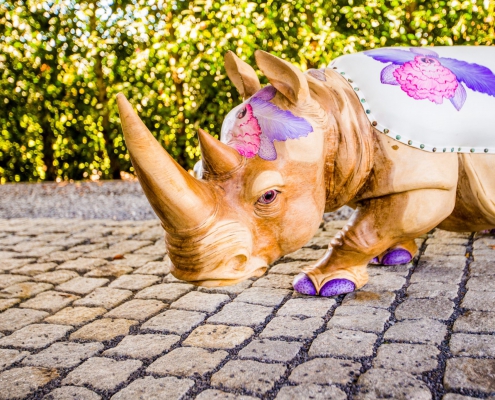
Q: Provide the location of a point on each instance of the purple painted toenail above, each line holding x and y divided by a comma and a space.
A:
396, 257
303, 285
375, 261
336, 287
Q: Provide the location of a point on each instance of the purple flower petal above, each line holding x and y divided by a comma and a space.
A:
303, 285
267, 93
459, 97
423, 51
387, 75
336, 287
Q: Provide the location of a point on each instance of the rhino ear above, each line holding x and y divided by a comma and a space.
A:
286, 78
242, 75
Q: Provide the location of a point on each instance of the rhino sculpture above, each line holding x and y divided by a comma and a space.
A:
416, 156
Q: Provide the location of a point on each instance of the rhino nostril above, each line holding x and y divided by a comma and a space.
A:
238, 263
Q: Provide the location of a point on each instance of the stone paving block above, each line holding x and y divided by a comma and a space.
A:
168, 292
138, 310
426, 331
233, 289
277, 281
271, 350
343, 343
102, 373
385, 282
292, 327
160, 268
19, 383
427, 273
76, 316
470, 373
41, 251
238, 313
476, 322
82, 265
214, 394
305, 254
397, 270
9, 357
314, 392
82, 285
437, 308
358, 318
445, 250
110, 270
187, 361
482, 268
16, 318
325, 371
35, 336
453, 396
5, 255
136, 260
482, 284
7, 303
72, 393
462, 344
385, 384
307, 307
155, 388
63, 355
134, 281
104, 297
174, 321
103, 329
60, 256
263, 296
50, 301
424, 290
289, 268
381, 299
412, 358
11, 264
27, 245
35, 269
218, 336
143, 346
157, 249
480, 301
25, 290
7, 280
55, 277
154, 233
198, 301
254, 376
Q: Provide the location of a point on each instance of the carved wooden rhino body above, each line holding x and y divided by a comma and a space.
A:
299, 147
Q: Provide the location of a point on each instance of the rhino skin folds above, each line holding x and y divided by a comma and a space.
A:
247, 211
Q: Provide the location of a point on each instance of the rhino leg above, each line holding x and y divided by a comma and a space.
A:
378, 225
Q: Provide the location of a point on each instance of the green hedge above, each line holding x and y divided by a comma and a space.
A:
63, 61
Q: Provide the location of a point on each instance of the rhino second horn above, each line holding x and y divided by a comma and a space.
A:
180, 201
218, 158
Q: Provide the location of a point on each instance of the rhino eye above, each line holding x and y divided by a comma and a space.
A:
268, 197
241, 113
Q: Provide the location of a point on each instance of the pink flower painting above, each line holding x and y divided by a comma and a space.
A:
423, 74
258, 123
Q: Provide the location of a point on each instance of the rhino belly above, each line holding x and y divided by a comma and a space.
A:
437, 99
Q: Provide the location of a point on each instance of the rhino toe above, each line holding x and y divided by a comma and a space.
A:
303, 285
396, 257
336, 287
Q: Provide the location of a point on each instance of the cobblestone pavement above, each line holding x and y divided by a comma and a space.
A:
89, 310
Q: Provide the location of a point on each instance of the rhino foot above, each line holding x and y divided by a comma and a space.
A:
396, 257
302, 284
375, 261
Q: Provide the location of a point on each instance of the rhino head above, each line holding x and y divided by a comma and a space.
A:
247, 210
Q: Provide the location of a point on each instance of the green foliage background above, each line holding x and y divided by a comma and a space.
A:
63, 61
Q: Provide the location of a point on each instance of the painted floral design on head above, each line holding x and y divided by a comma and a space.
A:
423, 74
253, 126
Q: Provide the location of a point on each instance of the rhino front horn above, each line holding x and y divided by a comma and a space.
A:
180, 201
218, 158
